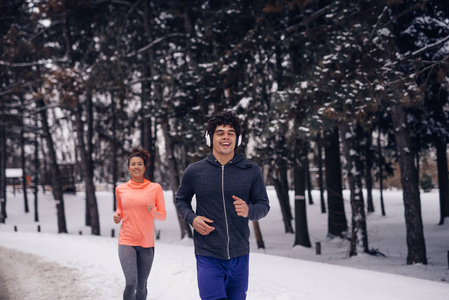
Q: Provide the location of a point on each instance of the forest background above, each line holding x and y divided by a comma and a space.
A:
339, 93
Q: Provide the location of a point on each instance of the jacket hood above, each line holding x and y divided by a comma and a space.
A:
238, 160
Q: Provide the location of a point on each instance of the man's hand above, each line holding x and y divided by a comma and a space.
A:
200, 225
240, 207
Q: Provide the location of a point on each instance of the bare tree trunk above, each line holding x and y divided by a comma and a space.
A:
86, 170
320, 172
147, 137
337, 223
89, 147
148, 140
173, 173
23, 161
308, 179
443, 181
3, 214
302, 230
54, 168
350, 139
36, 175
258, 234
24, 172
281, 186
190, 31
436, 101
412, 203
368, 170
381, 175
114, 151
280, 181
45, 167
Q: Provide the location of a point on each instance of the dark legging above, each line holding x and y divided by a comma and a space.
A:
136, 263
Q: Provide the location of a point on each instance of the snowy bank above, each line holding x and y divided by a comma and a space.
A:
93, 264
73, 266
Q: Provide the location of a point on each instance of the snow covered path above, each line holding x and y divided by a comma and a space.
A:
62, 266
27, 276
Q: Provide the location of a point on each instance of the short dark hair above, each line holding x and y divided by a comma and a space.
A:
224, 118
142, 153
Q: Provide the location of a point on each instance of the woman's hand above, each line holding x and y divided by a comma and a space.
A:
117, 218
149, 207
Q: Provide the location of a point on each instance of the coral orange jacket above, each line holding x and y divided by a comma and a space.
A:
137, 227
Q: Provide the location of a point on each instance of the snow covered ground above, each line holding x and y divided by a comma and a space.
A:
48, 265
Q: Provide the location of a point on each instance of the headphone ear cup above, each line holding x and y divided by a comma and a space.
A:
207, 139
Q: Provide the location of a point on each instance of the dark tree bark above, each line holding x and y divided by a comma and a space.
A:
114, 152
352, 151
86, 171
3, 214
443, 180
258, 234
368, 170
54, 169
190, 32
302, 230
337, 223
148, 140
308, 179
23, 162
24, 173
409, 178
173, 173
320, 172
36, 175
89, 148
381, 175
45, 168
280, 183
436, 100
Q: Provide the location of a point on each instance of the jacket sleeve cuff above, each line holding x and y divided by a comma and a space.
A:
257, 212
251, 214
190, 217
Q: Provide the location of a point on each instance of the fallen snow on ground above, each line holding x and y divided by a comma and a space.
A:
48, 265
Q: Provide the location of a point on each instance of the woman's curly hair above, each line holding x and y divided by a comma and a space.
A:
142, 153
224, 118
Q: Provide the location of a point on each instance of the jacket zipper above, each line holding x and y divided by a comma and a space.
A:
224, 208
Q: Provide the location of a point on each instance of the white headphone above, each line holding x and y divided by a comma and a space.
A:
208, 140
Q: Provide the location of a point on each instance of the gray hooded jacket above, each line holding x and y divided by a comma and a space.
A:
214, 185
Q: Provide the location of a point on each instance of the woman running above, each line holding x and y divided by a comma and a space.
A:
139, 202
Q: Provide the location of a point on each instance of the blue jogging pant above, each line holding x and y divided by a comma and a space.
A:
222, 278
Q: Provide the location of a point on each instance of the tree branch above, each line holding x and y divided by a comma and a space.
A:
310, 19
155, 42
442, 61
427, 48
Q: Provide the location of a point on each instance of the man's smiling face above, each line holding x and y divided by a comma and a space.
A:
224, 140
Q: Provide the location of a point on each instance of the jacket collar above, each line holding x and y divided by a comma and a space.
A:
137, 185
238, 160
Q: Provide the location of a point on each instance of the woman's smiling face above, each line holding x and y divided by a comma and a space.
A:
136, 168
